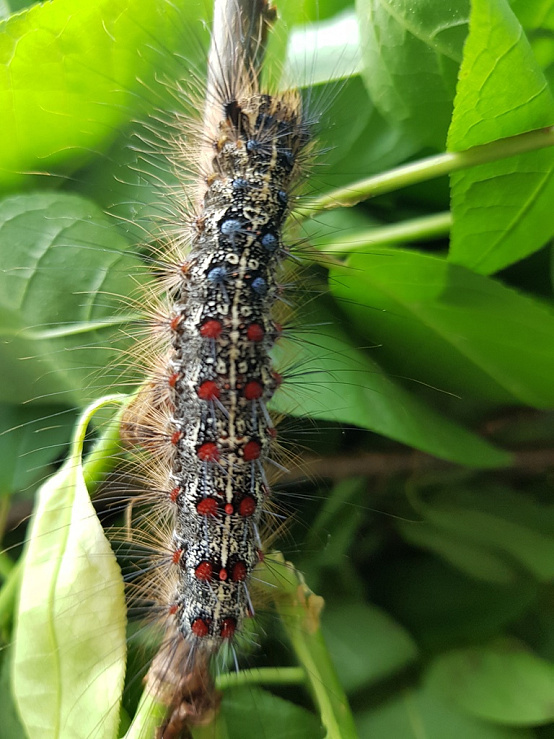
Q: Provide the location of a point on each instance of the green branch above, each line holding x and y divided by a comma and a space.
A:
415, 229
299, 610
426, 169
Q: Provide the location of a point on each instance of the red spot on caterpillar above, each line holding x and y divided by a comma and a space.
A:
173, 609
251, 451
272, 432
204, 570
174, 494
208, 390
239, 572
253, 390
176, 437
247, 506
278, 329
199, 627
223, 574
255, 332
185, 268
207, 507
211, 329
176, 322
177, 554
277, 378
173, 379
208, 452
228, 627
261, 555
229, 510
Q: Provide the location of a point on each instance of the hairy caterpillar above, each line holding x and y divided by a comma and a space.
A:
353, 379
250, 150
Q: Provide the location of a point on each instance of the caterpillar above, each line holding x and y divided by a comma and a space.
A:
61, 295
199, 431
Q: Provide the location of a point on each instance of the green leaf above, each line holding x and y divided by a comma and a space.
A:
375, 649
331, 379
72, 72
503, 521
502, 681
469, 557
446, 326
249, 713
412, 52
30, 438
323, 51
59, 310
70, 643
10, 726
424, 714
534, 13
442, 608
502, 210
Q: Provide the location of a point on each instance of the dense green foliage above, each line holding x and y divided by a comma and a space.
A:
423, 378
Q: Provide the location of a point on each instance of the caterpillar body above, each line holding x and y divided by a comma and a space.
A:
220, 370
199, 432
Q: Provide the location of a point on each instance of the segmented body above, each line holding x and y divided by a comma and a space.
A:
221, 371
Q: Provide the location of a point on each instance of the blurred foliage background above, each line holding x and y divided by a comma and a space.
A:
421, 393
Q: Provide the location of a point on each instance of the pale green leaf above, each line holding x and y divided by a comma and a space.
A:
70, 643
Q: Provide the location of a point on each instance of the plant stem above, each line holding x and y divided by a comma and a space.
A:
6, 566
299, 609
262, 676
8, 595
150, 714
107, 450
427, 227
426, 169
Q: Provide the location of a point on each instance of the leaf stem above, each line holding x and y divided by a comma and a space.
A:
262, 676
299, 609
8, 595
151, 714
415, 229
426, 169
107, 450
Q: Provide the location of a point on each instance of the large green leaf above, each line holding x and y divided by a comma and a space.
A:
502, 681
412, 52
330, 379
444, 325
72, 71
502, 211
501, 521
423, 713
62, 268
374, 650
471, 557
250, 713
442, 607
70, 642
534, 13
30, 438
